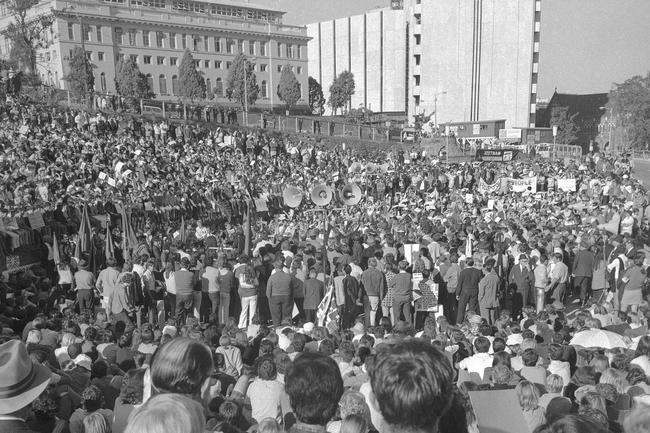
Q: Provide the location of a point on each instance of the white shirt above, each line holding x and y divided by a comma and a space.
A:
644, 362
562, 369
477, 363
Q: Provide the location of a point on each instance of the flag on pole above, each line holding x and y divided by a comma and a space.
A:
128, 235
182, 231
56, 253
110, 248
327, 314
84, 241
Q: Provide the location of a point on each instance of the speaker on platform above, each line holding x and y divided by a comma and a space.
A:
292, 196
321, 195
350, 194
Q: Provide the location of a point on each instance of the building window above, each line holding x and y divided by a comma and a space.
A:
279, 68
280, 50
100, 56
208, 86
160, 60
264, 89
86, 32
240, 46
175, 87
184, 41
300, 90
145, 38
162, 84
251, 48
218, 88
263, 67
217, 45
262, 48
160, 39
172, 40
150, 82
173, 61
230, 46
206, 64
217, 64
132, 37
298, 49
206, 44
134, 57
228, 65
71, 31
102, 81
118, 35
290, 51
146, 60
98, 33
89, 55
197, 63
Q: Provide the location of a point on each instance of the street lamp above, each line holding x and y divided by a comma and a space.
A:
435, 106
246, 90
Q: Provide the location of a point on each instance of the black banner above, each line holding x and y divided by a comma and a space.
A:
496, 155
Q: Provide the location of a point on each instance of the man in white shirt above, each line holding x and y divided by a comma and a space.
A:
559, 276
478, 362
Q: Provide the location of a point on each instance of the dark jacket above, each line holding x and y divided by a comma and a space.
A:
583, 264
468, 281
14, 426
523, 279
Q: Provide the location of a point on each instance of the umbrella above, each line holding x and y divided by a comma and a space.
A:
110, 248
56, 253
599, 338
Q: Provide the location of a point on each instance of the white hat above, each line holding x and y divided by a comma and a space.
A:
514, 339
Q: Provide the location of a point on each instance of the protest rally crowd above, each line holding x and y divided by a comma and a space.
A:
179, 288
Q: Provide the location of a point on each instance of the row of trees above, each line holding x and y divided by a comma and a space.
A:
341, 91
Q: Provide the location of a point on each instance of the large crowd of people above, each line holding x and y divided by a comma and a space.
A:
174, 286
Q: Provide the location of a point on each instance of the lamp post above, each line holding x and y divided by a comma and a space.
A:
246, 90
435, 107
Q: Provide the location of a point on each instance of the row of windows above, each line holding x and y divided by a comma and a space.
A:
172, 40
176, 61
208, 8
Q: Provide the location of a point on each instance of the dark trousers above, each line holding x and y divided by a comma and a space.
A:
85, 299
527, 295
310, 316
281, 307
184, 304
170, 301
450, 308
467, 300
263, 312
402, 305
584, 285
301, 310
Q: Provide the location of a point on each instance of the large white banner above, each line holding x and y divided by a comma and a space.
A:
522, 185
567, 185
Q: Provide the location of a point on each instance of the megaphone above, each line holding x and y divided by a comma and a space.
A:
356, 167
371, 167
350, 194
321, 195
292, 196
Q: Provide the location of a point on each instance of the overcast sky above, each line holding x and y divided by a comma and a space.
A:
586, 45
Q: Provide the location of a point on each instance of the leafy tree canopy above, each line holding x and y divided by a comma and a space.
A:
80, 70
567, 129
629, 109
131, 83
316, 98
235, 89
191, 82
289, 87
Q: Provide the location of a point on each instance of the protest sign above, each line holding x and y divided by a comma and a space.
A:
566, 185
496, 155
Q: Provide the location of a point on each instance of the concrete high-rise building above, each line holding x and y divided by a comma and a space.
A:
474, 59
373, 47
459, 60
157, 32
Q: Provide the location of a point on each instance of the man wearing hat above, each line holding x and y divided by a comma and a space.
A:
21, 382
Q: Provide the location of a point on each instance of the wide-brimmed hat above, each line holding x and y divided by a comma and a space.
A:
21, 381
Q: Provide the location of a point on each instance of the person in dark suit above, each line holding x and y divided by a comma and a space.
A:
583, 271
467, 290
523, 280
21, 382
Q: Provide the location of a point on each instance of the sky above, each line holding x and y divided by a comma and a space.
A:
585, 46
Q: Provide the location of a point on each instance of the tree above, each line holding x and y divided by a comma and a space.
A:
628, 110
289, 87
80, 77
341, 91
190, 81
26, 34
235, 89
316, 98
567, 129
130, 83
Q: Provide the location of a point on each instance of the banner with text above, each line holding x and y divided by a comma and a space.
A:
522, 185
486, 188
566, 185
496, 155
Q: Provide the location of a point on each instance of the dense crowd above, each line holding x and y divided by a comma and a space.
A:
198, 300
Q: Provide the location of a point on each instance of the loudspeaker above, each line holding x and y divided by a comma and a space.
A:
350, 194
321, 195
292, 196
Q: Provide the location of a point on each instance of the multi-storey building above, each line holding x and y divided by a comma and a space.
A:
458, 60
155, 33
373, 47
